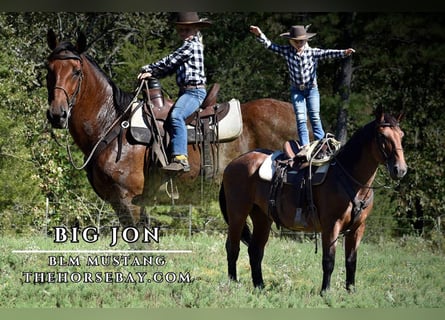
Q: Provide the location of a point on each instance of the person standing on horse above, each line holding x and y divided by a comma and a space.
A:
188, 63
302, 61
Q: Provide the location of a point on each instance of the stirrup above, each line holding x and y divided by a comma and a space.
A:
177, 165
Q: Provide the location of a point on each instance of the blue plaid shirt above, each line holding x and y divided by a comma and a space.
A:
187, 61
302, 67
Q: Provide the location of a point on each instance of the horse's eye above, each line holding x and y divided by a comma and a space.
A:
76, 73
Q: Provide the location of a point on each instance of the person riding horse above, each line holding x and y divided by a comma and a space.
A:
188, 62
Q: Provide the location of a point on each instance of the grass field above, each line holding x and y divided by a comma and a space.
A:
397, 274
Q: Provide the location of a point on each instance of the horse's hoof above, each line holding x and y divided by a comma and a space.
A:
324, 292
259, 286
232, 278
350, 289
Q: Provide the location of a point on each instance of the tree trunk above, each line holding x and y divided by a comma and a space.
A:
343, 83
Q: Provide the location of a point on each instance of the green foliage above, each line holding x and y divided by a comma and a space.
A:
18, 180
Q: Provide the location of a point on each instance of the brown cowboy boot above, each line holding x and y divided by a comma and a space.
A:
178, 163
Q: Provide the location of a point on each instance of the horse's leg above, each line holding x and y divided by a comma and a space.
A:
352, 242
260, 235
128, 213
232, 249
123, 214
329, 242
237, 213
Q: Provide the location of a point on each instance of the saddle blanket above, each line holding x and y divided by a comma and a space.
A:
268, 168
138, 127
229, 128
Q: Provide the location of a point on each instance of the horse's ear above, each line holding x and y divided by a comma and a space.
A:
379, 114
51, 39
400, 116
81, 44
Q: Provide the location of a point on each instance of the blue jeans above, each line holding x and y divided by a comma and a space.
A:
186, 104
307, 101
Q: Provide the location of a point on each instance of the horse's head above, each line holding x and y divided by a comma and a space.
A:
389, 143
64, 78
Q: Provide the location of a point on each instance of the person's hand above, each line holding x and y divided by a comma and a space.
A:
349, 51
255, 30
144, 75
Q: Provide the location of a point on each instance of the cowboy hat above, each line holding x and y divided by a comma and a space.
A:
297, 33
191, 18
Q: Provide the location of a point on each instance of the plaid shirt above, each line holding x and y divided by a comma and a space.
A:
302, 67
187, 61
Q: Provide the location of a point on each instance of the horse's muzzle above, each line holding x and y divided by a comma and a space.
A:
398, 171
57, 121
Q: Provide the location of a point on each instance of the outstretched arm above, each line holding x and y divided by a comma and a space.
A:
255, 30
349, 51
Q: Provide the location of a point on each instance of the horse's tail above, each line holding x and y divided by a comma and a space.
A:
222, 203
246, 235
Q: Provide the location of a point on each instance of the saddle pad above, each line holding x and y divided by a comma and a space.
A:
320, 174
229, 128
138, 128
267, 168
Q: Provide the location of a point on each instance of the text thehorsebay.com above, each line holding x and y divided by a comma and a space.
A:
116, 266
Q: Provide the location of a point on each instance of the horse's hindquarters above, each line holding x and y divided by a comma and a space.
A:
240, 181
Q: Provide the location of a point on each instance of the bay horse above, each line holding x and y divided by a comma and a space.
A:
342, 202
84, 100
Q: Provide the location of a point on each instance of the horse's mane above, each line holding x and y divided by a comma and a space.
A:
67, 49
351, 152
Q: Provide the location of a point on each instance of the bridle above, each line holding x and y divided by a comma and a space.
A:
70, 100
381, 142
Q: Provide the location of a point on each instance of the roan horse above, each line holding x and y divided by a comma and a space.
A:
342, 202
84, 100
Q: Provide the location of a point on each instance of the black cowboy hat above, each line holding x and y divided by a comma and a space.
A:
191, 18
298, 33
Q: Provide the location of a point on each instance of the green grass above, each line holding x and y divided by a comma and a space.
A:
394, 274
